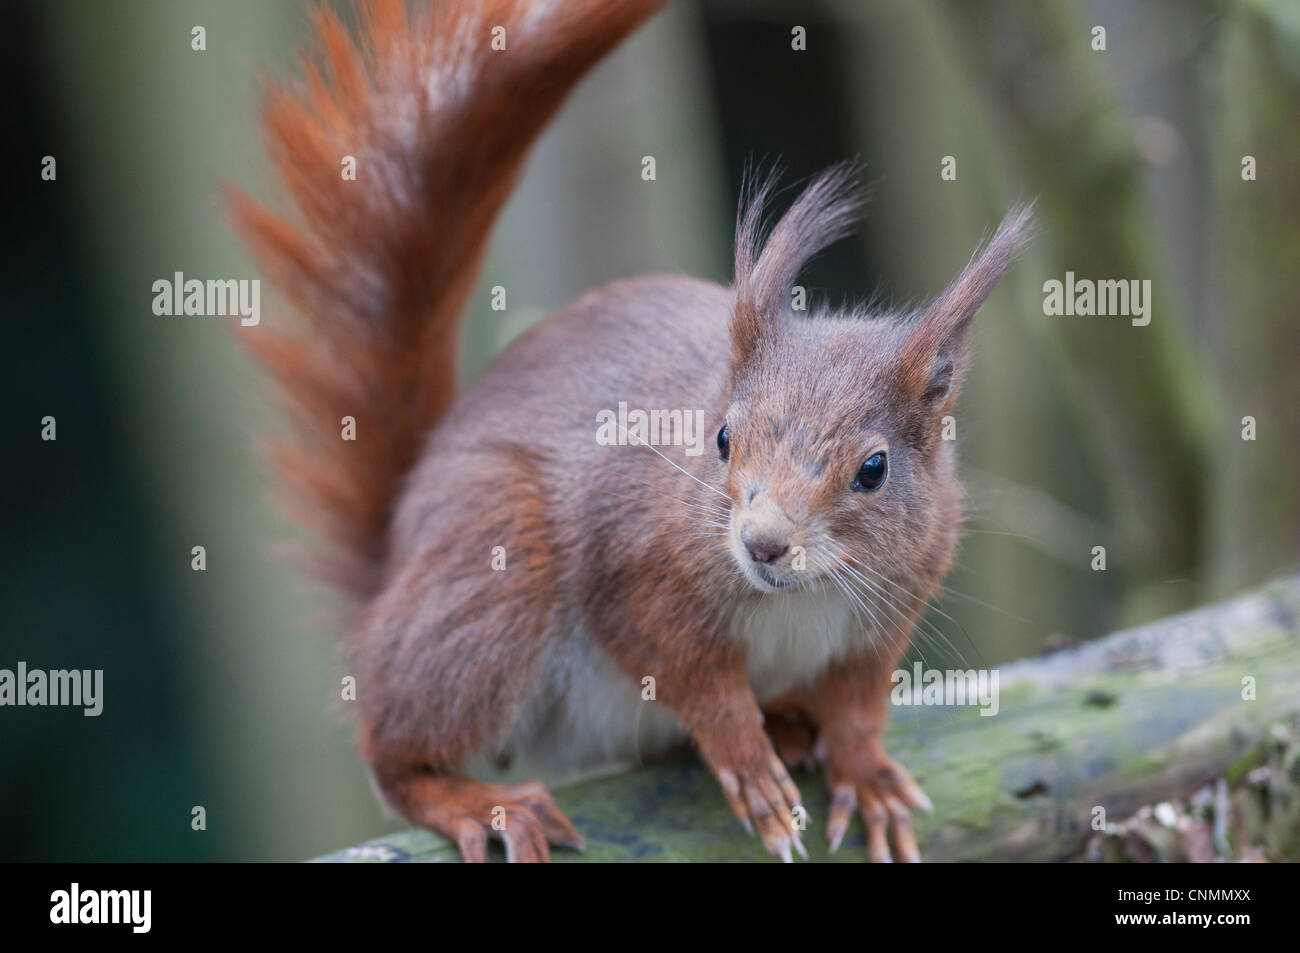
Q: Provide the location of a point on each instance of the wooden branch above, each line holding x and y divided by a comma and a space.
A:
1138, 717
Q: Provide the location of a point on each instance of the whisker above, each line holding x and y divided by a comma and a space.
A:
683, 470
914, 618
988, 605
961, 656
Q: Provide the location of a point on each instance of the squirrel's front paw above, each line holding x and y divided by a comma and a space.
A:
884, 792
759, 791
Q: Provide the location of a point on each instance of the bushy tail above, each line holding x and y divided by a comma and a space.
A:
438, 119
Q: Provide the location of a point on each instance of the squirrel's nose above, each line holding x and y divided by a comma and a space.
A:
764, 549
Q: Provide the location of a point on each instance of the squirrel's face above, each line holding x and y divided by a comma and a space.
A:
833, 466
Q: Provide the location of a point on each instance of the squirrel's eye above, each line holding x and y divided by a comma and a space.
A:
724, 442
872, 473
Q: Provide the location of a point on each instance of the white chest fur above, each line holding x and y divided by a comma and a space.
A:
589, 713
792, 637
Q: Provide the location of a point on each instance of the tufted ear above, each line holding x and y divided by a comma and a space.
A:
933, 361
766, 270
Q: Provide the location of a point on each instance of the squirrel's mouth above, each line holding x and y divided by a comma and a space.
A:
771, 580
763, 580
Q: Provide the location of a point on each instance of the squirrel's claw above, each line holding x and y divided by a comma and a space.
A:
768, 800
468, 811
884, 797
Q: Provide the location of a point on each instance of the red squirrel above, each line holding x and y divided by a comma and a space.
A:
768, 586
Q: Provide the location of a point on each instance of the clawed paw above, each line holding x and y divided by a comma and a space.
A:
526, 820
764, 798
884, 793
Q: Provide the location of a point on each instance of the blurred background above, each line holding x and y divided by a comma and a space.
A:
220, 686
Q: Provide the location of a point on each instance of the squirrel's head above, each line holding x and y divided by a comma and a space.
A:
831, 441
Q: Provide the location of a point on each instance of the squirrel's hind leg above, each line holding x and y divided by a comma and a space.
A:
792, 730
452, 649
467, 811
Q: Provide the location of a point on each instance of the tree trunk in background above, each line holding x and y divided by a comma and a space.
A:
1255, 260
1147, 402
583, 216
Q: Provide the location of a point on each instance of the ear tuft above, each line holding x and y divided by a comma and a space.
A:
933, 360
826, 211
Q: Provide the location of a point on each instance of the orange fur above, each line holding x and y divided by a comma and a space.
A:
380, 268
